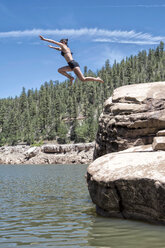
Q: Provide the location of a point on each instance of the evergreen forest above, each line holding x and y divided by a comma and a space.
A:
69, 114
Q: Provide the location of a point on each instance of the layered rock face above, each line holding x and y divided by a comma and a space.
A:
131, 117
129, 181
129, 184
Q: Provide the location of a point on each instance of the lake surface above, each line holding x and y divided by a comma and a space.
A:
49, 206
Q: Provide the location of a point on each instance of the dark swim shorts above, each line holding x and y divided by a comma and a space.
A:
72, 64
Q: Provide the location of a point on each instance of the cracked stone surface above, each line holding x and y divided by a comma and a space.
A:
131, 117
129, 184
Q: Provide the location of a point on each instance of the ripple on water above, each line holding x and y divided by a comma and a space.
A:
49, 206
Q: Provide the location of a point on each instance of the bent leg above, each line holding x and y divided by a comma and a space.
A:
79, 74
63, 71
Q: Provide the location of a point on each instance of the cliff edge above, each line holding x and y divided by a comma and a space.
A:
131, 117
127, 177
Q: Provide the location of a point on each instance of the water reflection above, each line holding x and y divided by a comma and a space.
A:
43, 206
106, 232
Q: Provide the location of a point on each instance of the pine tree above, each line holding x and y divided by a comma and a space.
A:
53, 111
23, 101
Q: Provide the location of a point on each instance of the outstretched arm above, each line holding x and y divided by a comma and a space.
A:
51, 41
57, 48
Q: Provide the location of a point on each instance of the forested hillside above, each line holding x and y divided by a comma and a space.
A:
58, 111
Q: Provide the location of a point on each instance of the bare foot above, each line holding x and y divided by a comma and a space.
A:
71, 80
100, 80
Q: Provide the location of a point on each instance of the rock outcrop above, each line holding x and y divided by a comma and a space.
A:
129, 184
67, 148
127, 177
158, 143
131, 117
81, 153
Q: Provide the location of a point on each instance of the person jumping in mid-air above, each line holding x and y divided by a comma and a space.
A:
72, 64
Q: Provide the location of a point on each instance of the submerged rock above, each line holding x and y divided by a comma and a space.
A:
129, 184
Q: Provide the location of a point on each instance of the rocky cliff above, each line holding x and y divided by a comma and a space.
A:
131, 117
127, 177
129, 184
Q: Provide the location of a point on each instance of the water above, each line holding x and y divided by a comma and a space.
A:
49, 206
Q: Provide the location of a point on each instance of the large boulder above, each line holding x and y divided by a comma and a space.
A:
129, 184
32, 152
131, 117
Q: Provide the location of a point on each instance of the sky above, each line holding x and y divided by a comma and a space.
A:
97, 30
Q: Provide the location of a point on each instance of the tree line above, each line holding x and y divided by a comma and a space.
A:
64, 113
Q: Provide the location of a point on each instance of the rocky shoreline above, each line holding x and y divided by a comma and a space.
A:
81, 153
